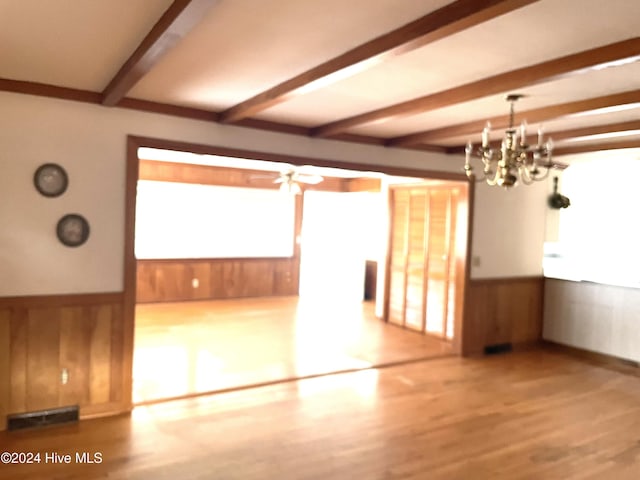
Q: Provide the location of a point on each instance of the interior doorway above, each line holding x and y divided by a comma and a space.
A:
203, 345
341, 231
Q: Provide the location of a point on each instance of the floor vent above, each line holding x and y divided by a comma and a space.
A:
43, 418
498, 348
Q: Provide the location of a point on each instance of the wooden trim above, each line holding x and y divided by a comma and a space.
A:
78, 299
51, 91
367, 140
103, 410
611, 362
446, 21
174, 24
291, 159
532, 116
460, 342
130, 268
167, 109
272, 126
555, 69
449, 241
387, 277
596, 147
507, 280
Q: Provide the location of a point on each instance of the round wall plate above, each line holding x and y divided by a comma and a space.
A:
72, 230
51, 180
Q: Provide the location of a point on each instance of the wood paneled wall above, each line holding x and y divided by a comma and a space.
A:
506, 310
172, 280
364, 184
40, 336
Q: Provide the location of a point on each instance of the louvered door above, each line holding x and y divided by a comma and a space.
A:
421, 287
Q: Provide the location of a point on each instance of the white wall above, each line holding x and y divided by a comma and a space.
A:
509, 231
89, 141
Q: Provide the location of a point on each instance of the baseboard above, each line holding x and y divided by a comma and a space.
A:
604, 360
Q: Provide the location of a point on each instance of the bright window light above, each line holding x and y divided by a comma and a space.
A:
177, 220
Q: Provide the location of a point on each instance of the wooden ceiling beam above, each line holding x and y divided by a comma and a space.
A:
176, 22
568, 134
542, 72
532, 116
597, 147
595, 130
446, 21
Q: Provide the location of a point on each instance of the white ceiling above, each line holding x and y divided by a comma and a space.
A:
72, 43
241, 48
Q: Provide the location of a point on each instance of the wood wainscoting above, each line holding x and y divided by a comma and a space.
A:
209, 279
501, 311
40, 336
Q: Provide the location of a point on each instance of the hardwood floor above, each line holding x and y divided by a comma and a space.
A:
524, 415
193, 347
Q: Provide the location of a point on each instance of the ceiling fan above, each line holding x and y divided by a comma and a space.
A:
291, 178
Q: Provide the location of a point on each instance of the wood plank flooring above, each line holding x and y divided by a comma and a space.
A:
193, 347
524, 415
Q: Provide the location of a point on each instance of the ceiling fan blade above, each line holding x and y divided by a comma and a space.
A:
310, 179
559, 165
261, 179
555, 165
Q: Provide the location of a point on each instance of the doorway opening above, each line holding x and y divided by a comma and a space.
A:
208, 322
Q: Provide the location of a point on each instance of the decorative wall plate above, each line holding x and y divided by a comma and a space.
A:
51, 180
73, 230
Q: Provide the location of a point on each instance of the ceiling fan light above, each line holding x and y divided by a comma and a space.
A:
290, 188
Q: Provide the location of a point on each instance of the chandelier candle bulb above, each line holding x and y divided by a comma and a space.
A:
523, 133
540, 135
485, 135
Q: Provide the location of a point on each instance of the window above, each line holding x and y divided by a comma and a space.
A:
178, 220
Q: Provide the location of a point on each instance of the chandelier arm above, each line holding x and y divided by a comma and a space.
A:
525, 176
494, 181
545, 175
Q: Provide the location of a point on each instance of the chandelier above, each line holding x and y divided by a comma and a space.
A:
515, 161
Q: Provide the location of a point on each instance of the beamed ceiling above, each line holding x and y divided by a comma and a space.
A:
418, 74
